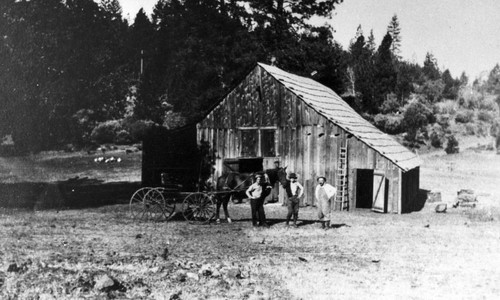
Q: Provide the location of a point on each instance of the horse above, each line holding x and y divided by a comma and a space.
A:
233, 185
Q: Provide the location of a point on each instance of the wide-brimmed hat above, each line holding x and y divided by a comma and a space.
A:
292, 175
319, 177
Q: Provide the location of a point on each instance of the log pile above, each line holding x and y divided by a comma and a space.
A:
466, 198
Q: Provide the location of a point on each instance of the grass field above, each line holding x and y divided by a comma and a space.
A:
102, 253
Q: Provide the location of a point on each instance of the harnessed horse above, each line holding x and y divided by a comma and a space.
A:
234, 186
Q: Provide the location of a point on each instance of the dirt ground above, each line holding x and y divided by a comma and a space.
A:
102, 253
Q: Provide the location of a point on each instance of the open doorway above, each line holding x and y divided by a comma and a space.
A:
364, 188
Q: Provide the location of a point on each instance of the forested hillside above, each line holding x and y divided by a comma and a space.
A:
76, 72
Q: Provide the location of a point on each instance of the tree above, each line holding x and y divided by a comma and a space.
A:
395, 32
415, 117
493, 81
61, 58
464, 79
408, 76
430, 69
451, 85
385, 72
370, 43
362, 72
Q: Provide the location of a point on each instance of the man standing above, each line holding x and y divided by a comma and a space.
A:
325, 194
257, 193
294, 191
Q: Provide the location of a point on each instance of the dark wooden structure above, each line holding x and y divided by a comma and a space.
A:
276, 115
173, 153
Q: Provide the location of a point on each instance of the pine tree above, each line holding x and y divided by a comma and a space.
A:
395, 31
451, 85
430, 69
464, 79
385, 72
370, 43
493, 81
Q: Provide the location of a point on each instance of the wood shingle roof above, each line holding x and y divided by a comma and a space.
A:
328, 104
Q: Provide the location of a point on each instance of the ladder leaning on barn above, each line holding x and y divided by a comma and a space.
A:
342, 197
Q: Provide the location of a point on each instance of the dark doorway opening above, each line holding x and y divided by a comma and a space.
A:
364, 188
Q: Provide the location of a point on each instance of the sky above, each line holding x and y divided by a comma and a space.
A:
463, 35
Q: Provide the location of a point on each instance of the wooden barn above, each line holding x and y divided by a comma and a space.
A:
275, 115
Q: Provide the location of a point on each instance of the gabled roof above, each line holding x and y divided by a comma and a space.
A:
328, 104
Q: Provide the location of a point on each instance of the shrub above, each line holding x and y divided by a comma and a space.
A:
123, 138
469, 98
82, 125
485, 116
368, 117
435, 140
380, 120
432, 90
470, 129
464, 116
443, 120
437, 135
416, 116
452, 145
446, 107
489, 103
495, 128
139, 128
482, 130
106, 132
392, 124
390, 104
173, 120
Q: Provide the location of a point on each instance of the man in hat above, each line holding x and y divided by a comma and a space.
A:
294, 190
325, 194
257, 193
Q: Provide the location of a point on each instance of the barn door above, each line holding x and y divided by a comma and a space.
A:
379, 193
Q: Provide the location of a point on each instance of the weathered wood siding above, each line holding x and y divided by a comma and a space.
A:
307, 143
360, 156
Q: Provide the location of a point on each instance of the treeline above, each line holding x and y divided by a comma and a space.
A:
76, 72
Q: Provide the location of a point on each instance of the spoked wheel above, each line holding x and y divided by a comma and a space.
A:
136, 206
154, 203
169, 208
198, 208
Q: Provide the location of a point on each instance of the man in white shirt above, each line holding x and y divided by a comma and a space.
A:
257, 192
325, 194
294, 191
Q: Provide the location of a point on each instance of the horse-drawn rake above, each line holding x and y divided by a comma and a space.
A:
159, 203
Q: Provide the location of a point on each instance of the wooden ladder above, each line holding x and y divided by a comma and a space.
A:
342, 196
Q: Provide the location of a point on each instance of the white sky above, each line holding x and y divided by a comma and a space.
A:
463, 35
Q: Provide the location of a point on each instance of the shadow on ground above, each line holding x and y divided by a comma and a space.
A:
72, 193
421, 199
282, 221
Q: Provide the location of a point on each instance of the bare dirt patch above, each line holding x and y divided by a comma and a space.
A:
421, 255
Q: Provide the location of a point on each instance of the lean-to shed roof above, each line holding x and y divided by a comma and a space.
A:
328, 104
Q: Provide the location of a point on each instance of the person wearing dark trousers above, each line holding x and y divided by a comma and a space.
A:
257, 193
294, 190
